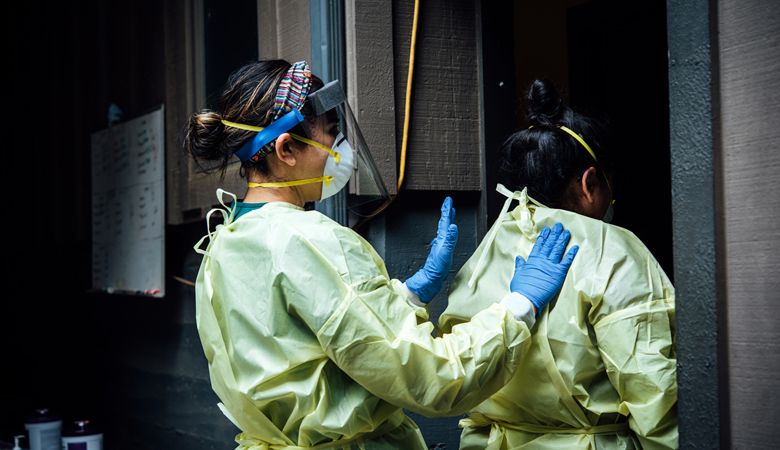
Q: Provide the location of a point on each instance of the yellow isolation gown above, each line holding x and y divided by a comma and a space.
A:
601, 370
311, 345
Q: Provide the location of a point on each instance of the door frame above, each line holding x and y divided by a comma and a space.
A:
696, 227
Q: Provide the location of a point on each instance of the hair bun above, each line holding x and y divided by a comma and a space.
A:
205, 134
543, 103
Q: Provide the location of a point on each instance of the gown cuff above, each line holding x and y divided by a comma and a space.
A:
520, 307
411, 298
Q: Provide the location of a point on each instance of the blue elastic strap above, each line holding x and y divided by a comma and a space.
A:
268, 134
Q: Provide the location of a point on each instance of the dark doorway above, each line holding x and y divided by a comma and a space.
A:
609, 59
230, 41
618, 69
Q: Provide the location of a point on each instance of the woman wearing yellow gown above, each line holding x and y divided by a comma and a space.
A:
600, 372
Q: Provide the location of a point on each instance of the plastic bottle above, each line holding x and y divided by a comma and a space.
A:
44, 430
16, 442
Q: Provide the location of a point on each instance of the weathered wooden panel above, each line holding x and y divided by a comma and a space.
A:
284, 30
293, 30
749, 41
267, 46
444, 150
369, 60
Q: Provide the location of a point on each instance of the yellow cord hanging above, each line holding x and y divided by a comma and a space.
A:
407, 106
405, 137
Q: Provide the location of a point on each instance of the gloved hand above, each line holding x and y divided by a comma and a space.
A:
427, 282
541, 277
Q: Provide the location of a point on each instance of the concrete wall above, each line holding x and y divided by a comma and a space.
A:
749, 48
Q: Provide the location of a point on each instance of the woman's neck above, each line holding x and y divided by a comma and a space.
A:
268, 195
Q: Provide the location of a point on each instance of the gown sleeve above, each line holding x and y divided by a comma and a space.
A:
338, 285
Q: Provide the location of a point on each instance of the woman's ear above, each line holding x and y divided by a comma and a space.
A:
588, 185
283, 148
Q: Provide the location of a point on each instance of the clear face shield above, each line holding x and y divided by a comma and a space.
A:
366, 190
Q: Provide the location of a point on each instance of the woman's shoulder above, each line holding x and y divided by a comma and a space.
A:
288, 228
611, 260
307, 236
603, 244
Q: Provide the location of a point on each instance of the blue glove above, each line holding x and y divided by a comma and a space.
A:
541, 277
428, 281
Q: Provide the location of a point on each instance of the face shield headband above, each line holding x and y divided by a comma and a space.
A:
266, 135
291, 94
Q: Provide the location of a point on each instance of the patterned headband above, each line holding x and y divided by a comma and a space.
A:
293, 89
291, 93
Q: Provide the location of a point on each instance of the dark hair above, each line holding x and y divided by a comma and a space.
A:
248, 98
545, 158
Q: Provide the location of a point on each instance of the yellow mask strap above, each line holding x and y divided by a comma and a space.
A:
334, 153
242, 126
327, 179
